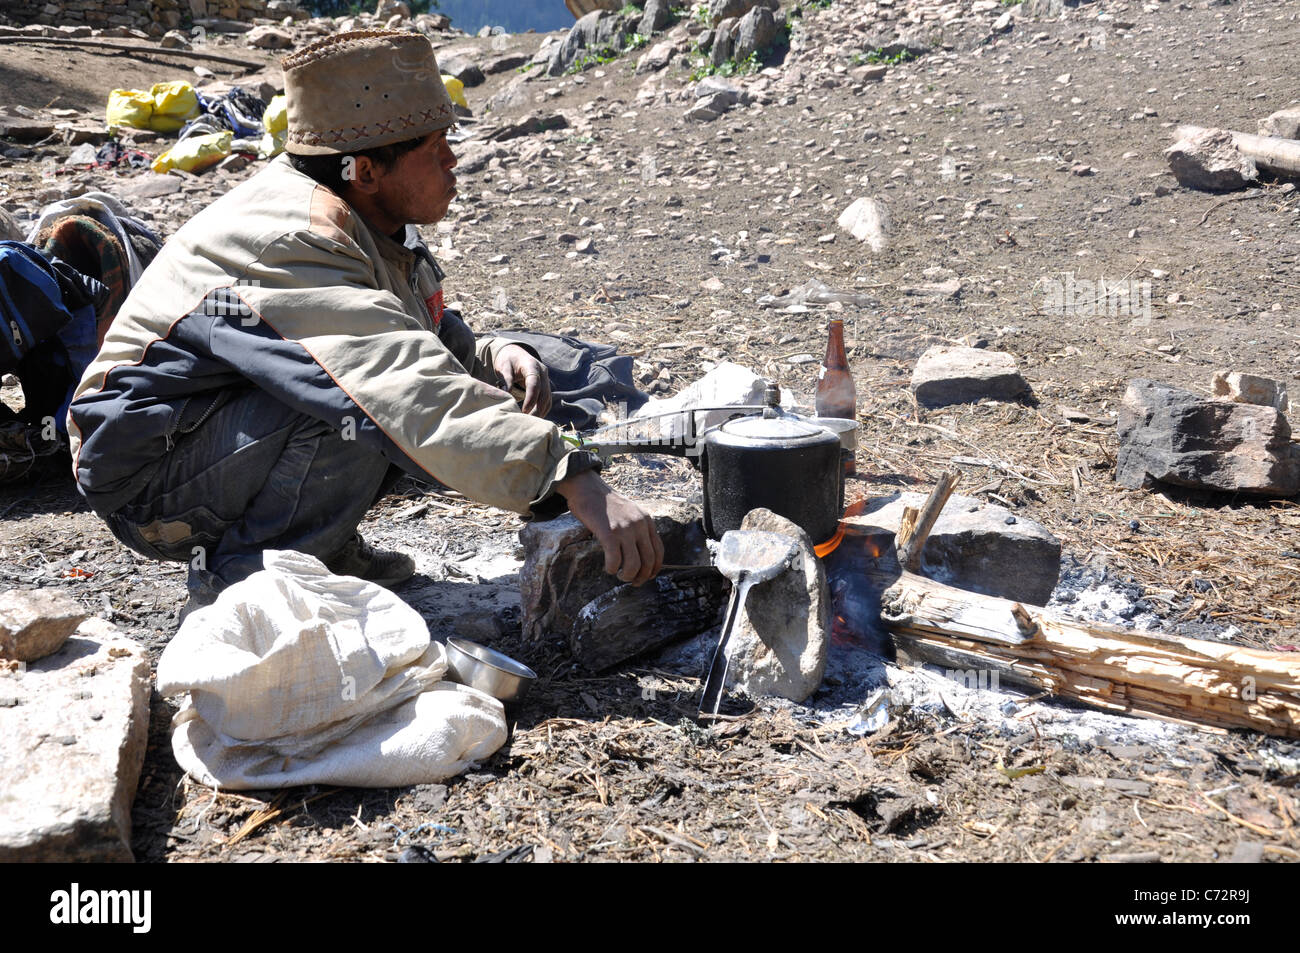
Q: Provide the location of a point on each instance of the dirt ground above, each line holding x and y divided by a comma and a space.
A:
976, 150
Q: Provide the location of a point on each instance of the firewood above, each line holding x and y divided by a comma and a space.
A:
1270, 153
1109, 667
913, 532
1106, 666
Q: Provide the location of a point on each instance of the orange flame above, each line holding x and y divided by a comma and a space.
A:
825, 549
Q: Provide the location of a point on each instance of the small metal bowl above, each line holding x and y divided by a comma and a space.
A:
488, 670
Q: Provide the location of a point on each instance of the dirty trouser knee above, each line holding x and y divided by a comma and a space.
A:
256, 475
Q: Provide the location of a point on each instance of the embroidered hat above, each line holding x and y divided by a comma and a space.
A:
363, 89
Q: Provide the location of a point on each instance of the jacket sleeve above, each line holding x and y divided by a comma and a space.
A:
311, 326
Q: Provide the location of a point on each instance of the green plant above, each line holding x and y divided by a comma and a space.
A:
730, 67
594, 58
701, 13
635, 41
631, 10
878, 55
525, 68
1012, 3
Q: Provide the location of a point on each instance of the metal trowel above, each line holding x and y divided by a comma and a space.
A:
747, 557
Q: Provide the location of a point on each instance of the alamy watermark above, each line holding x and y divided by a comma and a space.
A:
229, 304
1084, 297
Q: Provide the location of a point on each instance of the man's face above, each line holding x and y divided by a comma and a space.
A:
420, 185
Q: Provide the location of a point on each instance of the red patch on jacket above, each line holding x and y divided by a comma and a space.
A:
434, 304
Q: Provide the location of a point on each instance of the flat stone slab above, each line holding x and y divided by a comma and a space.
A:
1174, 436
955, 375
74, 727
974, 547
35, 623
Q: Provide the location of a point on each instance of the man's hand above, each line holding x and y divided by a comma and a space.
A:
633, 550
518, 368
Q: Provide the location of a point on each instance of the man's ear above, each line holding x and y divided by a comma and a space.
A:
361, 173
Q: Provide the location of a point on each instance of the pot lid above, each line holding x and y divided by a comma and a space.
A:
784, 431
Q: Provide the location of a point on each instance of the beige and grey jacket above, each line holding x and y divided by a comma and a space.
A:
280, 285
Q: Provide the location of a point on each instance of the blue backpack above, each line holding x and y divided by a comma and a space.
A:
47, 327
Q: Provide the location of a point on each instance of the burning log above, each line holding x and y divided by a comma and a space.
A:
1109, 667
1105, 666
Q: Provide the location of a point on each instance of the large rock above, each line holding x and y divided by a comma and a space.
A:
720, 10
1174, 436
868, 221
656, 16
35, 623
1250, 389
566, 593
953, 375
75, 725
657, 57
269, 38
598, 30
1284, 123
974, 545
756, 31
781, 638
1208, 160
461, 67
724, 41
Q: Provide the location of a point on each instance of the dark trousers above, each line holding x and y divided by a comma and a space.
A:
254, 475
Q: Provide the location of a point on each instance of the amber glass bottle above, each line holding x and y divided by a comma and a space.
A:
836, 395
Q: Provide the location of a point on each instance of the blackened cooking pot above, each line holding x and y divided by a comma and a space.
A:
776, 461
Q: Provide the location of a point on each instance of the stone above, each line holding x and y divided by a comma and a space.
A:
565, 592
175, 40
1044, 9
1003, 23
269, 38
462, 67
505, 62
389, 8
512, 96
24, 129
35, 623
148, 186
1250, 389
720, 10
657, 57
1209, 161
782, 635
954, 375
1284, 123
475, 156
756, 31
972, 546
656, 16
75, 725
9, 230
598, 30
867, 220
84, 154
528, 126
724, 41
1173, 436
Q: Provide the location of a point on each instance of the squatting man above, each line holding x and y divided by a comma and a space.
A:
288, 356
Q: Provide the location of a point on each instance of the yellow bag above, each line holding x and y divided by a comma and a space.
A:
129, 107
174, 104
275, 122
195, 153
456, 90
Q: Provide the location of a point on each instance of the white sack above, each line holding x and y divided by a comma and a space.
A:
297, 676
727, 384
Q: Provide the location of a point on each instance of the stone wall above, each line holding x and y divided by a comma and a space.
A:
154, 16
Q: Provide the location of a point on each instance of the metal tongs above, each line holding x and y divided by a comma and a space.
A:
747, 557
